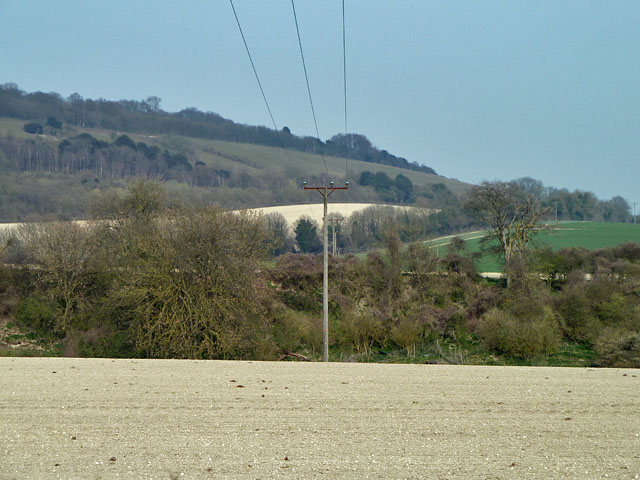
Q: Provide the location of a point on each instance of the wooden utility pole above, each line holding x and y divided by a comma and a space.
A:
634, 212
325, 192
333, 220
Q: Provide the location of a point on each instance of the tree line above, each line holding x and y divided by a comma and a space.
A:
146, 117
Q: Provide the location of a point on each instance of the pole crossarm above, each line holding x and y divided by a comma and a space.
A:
326, 190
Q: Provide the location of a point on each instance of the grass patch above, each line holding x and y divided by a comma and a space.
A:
589, 235
55, 351
572, 355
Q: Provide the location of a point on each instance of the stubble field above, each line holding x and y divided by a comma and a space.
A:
88, 418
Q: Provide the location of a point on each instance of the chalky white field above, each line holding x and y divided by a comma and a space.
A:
88, 418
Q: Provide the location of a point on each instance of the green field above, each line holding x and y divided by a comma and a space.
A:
589, 235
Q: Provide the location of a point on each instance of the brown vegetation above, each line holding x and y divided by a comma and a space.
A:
157, 280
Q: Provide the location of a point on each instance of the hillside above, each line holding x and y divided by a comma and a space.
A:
43, 110
55, 174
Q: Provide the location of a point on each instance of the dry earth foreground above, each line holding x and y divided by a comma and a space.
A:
101, 418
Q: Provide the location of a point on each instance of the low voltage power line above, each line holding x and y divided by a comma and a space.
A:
306, 78
255, 72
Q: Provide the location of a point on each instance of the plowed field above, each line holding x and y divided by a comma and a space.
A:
90, 419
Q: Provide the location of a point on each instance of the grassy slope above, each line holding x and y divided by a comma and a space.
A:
252, 158
589, 235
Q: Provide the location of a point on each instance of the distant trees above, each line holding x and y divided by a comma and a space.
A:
359, 147
616, 210
98, 163
577, 204
53, 122
81, 153
399, 190
32, 127
404, 189
146, 116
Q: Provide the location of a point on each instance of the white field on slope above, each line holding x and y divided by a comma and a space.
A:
291, 213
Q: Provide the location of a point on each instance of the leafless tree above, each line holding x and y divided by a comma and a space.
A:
511, 215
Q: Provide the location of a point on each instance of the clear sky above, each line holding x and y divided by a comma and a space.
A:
478, 90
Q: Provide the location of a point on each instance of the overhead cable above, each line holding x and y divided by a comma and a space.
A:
306, 78
253, 66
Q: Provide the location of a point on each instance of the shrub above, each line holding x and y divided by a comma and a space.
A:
32, 128
295, 331
98, 342
405, 334
36, 314
619, 349
53, 122
303, 300
579, 321
520, 337
360, 331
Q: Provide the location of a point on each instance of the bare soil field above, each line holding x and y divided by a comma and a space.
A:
103, 419
315, 211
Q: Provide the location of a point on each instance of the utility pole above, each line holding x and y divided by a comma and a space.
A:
634, 212
333, 220
325, 192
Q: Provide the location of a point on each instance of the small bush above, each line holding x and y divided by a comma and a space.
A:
406, 333
32, 128
296, 331
98, 343
36, 314
360, 331
618, 349
303, 300
520, 337
579, 320
53, 122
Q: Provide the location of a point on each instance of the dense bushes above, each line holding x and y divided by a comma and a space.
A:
37, 315
526, 337
154, 279
148, 281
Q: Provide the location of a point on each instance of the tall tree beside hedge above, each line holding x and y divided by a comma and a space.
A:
307, 236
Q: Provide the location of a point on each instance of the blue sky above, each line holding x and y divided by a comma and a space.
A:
478, 90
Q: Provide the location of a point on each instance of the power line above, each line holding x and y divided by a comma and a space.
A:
306, 78
344, 82
255, 72
244, 40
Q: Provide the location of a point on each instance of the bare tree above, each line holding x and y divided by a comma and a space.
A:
511, 215
62, 251
279, 235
